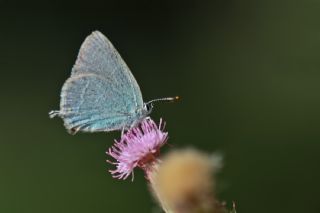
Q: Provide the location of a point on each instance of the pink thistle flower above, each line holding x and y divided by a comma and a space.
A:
139, 147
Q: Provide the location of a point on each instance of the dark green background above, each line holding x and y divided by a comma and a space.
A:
248, 73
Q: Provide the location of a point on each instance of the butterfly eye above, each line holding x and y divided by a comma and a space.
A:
149, 107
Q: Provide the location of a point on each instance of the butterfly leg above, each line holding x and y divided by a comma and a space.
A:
122, 131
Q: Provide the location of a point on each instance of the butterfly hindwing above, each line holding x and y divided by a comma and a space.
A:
91, 103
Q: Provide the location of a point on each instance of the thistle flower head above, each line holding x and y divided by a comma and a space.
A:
139, 147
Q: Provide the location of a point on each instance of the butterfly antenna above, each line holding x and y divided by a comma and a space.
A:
168, 99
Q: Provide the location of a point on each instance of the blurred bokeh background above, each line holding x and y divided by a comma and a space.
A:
248, 73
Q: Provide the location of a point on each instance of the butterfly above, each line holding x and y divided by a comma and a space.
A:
101, 95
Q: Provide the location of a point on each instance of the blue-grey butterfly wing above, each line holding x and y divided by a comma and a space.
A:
90, 103
101, 94
97, 55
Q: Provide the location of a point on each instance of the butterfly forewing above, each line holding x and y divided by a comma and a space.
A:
97, 55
